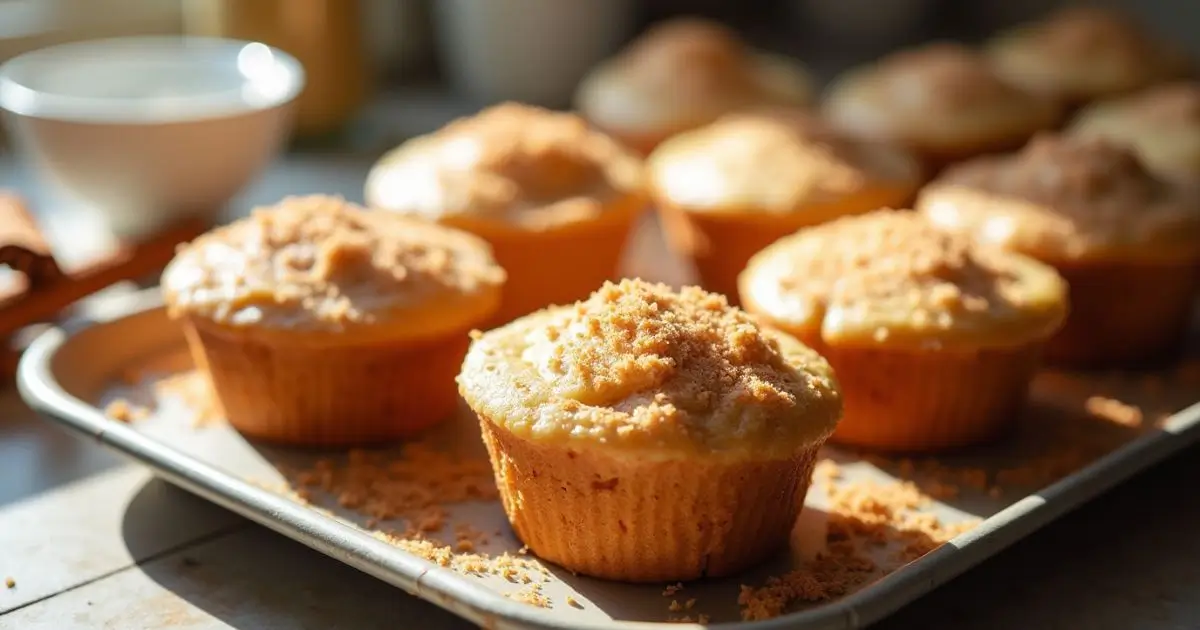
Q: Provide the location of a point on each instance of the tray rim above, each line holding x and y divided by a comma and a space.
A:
446, 589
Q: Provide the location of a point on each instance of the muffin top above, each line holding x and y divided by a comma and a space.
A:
318, 264
890, 279
1082, 53
937, 95
511, 164
1065, 198
684, 73
641, 370
773, 162
1162, 124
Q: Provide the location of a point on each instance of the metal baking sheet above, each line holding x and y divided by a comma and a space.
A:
69, 374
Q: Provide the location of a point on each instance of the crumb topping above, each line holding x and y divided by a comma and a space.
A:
1084, 32
319, 263
936, 95
512, 163
1082, 52
774, 161
684, 72
1172, 102
890, 277
1065, 197
1161, 123
944, 77
640, 367
695, 55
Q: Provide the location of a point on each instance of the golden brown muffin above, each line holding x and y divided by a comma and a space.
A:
320, 323
942, 100
1080, 54
934, 339
647, 435
555, 198
729, 189
682, 74
1127, 242
1161, 124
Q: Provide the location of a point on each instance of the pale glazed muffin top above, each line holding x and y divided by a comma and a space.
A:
684, 73
1067, 199
1161, 123
639, 369
319, 265
769, 161
1084, 53
512, 164
938, 96
890, 279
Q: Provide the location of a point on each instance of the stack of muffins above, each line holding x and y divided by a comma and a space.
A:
644, 433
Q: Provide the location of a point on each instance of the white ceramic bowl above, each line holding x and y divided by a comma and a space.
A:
150, 130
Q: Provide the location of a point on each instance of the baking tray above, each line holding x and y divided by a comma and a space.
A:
70, 373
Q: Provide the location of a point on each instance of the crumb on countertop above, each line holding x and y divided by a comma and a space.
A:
9, 582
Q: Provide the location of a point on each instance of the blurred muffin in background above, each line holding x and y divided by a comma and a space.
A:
731, 188
1127, 242
942, 100
1161, 123
1080, 54
320, 323
681, 74
934, 337
555, 198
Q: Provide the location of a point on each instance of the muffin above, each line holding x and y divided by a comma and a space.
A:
1161, 124
1080, 54
729, 189
934, 338
1127, 242
320, 323
555, 198
646, 435
942, 100
681, 74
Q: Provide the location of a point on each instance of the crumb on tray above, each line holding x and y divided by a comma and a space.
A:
863, 515
1114, 411
122, 410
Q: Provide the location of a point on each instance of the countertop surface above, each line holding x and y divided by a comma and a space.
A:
94, 542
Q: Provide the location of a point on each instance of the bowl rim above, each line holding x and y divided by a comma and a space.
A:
18, 98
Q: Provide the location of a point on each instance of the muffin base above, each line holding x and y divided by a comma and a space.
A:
328, 395
928, 401
555, 266
720, 244
1125, 315
645, 521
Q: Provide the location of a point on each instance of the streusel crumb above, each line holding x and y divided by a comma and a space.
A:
955, 76
639, 365
1066, 197
863, 516
515, 163
774, 161
320, 262
890, 275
